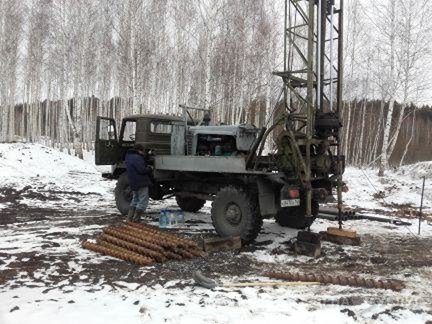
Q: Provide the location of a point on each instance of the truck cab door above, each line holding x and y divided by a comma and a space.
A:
106, 144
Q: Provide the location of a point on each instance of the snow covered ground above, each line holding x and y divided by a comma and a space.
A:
50, 201
397, 189
49, 172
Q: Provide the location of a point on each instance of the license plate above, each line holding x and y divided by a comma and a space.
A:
290, 202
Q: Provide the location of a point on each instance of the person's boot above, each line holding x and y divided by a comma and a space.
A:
138, 214
131, 214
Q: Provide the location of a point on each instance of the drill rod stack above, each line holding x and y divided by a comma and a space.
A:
142, 244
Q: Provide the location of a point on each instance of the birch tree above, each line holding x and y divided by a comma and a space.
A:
11, 19
413, 55
388, 16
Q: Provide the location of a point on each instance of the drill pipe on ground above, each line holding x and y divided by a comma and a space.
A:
184, 253
142, 233
172, 255
331, 217
167, 242
140, 260
146, 236
133, 247
352, 281
383, 220
142, 244
120, 249
153, 229
366, 217
124, 236
156, 230
334, 211
196, 252
189, 252
168, 250
186, 247
169, 238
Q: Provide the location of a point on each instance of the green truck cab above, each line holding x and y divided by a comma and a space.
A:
152, 131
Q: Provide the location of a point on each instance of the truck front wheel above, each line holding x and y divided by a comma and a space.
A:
235, 213
190, 204
123, 194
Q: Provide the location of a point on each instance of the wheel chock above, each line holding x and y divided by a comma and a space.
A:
341, 236
308, 244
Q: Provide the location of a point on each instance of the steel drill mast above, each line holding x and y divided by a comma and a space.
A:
312, 76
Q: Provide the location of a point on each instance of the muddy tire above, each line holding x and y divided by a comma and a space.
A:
156, 192
190, 204
294, 217
235, 213
123, 194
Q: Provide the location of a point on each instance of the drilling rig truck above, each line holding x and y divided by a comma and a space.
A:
198, 160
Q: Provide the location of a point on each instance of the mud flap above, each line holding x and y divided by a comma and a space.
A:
267, 198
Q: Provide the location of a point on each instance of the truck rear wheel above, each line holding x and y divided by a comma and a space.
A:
190, 204
123, 194
235, 213
294, 217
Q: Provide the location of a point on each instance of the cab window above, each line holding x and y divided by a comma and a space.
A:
106, 130
160, 128
129, 131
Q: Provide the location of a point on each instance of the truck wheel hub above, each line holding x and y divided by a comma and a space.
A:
233, 214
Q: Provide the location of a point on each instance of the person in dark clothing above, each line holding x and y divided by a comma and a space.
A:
139, 180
